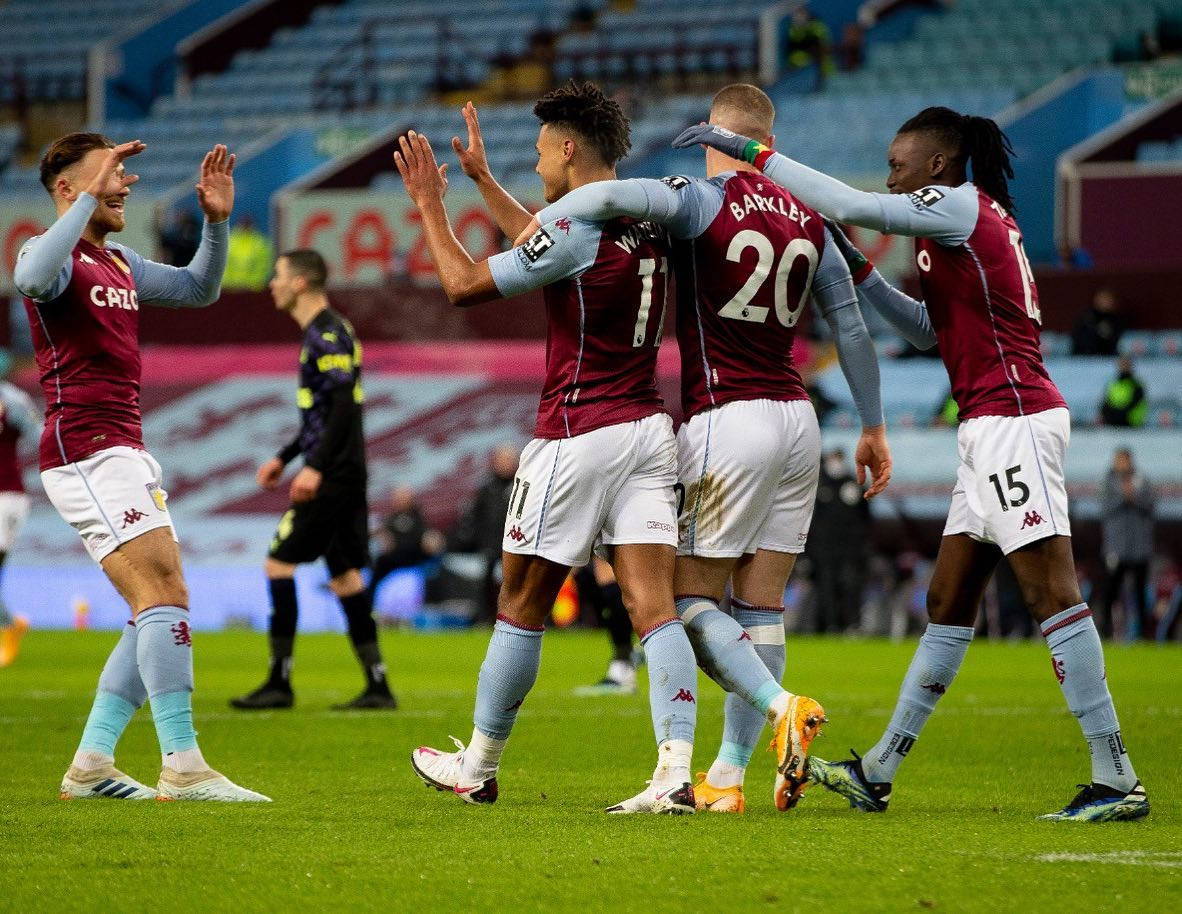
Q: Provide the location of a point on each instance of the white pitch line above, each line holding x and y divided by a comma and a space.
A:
1167, 859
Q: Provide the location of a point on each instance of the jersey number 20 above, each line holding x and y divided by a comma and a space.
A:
739, 307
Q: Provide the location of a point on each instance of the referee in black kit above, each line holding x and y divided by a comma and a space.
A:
328, 515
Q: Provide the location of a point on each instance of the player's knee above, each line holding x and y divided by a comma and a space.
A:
945, 608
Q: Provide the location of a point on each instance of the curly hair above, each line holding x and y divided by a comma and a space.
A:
585, 111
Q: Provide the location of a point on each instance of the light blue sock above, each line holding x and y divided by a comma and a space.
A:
935, 664
509, 671
743, 724
1078, 661
672, 681
120, 693
726, 652
164, 650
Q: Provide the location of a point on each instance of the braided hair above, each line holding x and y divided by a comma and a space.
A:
977, 141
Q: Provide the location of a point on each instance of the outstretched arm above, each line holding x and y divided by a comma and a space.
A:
44, 266
510, 215
198, 284
945, 214
908, 316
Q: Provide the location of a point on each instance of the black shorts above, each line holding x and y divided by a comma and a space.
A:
334, 526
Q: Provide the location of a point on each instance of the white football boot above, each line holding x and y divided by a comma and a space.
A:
106, 783
203, 785
445, 771
673, 798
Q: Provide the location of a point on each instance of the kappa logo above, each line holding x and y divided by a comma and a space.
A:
180, 634
936, 688
132, 516
1060, 669
1032, 519
563, 225
515, 534
86, 258
744, 637
684, 695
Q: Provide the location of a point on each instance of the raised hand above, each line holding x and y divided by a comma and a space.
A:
873, 454
100, 185
215, 190
425, 179
473, 159
725, 141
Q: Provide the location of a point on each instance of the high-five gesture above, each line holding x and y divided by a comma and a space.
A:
425, 180
215, 190
473, 160
100, 185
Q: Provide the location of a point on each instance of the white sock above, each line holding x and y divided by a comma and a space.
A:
673, 762
186, 760
724, 774
482, 756
89, 761
622, 671
777, 709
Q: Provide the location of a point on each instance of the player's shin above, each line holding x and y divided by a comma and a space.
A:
673, 688
728, 656
281, 630
508, 673
1077, 658
164, 651
935, 664
743, 724
120, 693
363, 632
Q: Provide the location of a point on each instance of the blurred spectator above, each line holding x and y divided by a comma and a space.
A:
809, 44
837, 545
1098, 330
947, 414
248, 257
404, 537
481, 527
1126, 503
851, 50
1124, 398
180, 237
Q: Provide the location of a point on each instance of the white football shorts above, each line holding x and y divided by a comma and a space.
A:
1010, 486
612, 486
110, 497
14, 508
749, 470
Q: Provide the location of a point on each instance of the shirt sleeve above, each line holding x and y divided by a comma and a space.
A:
194, 286
833, 289
558, 250
947, 215
44, 265
686, 206
908, 316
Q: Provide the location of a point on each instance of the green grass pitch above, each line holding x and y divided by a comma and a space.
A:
352, 828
